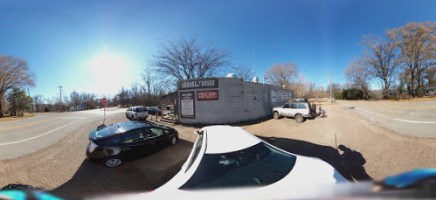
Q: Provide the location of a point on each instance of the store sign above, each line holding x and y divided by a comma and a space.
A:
187, 105
207, 95
198, 83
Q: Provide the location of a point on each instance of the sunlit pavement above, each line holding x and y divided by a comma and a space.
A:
22, 137
409, 118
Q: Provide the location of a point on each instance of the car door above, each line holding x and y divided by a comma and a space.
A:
302, 109
286, 110
293, 109
132, 144
160, 135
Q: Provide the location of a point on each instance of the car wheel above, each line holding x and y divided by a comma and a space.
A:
173, 141
276, 115
299, 118
113, 162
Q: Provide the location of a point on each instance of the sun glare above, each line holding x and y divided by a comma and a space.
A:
109, 73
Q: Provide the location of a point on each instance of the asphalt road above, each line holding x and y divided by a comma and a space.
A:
23, 137
409, 118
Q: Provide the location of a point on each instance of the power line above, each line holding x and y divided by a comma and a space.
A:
331, 87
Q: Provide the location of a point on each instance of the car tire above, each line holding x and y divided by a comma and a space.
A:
173, 141
299, 118
113, 162
276, 115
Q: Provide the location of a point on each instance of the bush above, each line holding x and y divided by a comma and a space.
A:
352, 94
338, 95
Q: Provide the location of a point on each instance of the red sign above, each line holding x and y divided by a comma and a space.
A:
104, 100
207, 95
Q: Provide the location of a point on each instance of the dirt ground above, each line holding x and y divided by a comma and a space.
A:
367, 149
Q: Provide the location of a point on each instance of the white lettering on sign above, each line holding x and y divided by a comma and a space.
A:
205, 83
207, 95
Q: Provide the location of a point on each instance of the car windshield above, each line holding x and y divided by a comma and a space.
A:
258, 165
195, 151
141, 109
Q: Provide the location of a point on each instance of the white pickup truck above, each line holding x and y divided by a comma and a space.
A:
298, 109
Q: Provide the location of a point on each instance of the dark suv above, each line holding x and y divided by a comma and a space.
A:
129, 140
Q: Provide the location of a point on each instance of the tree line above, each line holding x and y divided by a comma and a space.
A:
403, 61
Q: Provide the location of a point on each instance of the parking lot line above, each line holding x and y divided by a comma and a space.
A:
14, 127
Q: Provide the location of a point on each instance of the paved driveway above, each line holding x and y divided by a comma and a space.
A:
409, 118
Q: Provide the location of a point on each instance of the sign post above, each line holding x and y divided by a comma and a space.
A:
104, 101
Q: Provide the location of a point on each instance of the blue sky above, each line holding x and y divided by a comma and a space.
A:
100, 46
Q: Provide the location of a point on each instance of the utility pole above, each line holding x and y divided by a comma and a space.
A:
254, 63
60, 95
331, 87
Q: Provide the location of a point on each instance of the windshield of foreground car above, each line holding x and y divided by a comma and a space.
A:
196, 151
258, 165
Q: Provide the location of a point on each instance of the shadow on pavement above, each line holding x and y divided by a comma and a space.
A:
349, 163
141, 175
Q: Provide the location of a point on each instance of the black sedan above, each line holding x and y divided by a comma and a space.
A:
154, 111
129, 140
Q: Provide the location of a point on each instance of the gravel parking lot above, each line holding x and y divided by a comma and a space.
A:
368, 151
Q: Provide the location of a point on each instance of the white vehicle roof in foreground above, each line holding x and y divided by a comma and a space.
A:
224, 139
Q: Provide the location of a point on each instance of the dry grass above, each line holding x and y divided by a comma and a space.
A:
12, 118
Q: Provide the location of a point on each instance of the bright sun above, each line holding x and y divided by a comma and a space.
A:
109, 73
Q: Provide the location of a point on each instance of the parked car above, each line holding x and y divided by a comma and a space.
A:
164, 106
225, 157
125, 141
299, 109
136, 113
154, 111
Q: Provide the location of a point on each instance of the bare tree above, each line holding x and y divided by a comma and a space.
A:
14, 72
430, 75
38, 101
301, 87
187, 59
282, 74
381, 58
243, 72
358, 75
417, 42
75, 99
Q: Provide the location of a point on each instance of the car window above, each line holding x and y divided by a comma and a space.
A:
110, 140
133, 136
286, 106
258, 165
156, 132
302, 106
293, 105
196, 151
140, 109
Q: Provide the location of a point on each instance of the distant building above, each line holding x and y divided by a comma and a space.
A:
430, 90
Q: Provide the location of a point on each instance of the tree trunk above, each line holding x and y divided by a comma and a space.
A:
386, 88
412, 81
1, 108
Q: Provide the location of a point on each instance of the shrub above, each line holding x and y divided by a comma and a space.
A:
352, 94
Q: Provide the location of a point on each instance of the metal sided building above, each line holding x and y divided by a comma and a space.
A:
227, 100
